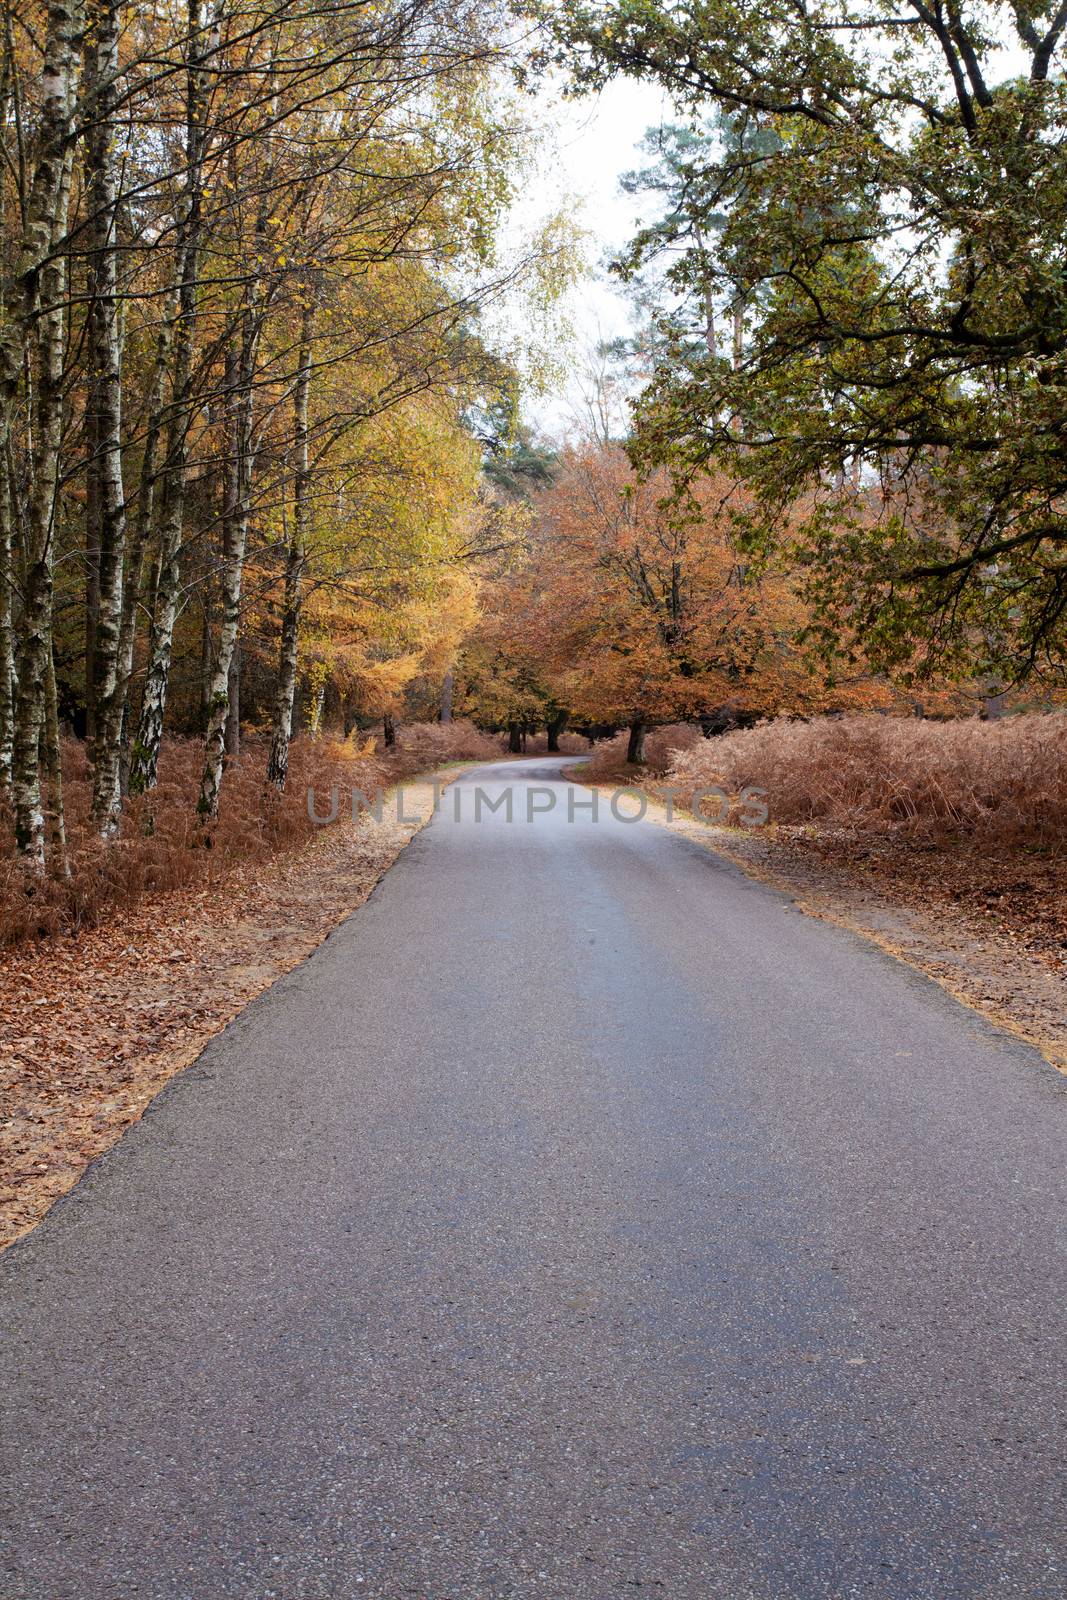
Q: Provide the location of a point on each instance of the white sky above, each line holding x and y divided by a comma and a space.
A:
596, 141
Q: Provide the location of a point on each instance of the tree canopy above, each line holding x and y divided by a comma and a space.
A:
886, 189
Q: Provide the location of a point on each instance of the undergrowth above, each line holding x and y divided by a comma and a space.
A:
164, 845
1001, 782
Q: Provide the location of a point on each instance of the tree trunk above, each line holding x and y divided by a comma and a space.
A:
388, 730
709, 301
30, 706
233, 717
144, 768
315, 710
116, 735
235, 530
7, 633
106, 686
92, 562
206, 668
7, 526
29, 715
514, 738
635, 748
145, 764
33, 326
447, 691
296, 557
53, 761
239, 379
555, 727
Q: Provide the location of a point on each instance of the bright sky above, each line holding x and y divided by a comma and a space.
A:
597, 141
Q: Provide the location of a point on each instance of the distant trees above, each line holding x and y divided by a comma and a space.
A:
882, 193
632, 607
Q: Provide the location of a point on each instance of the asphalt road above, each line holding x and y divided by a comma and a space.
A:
580, 1222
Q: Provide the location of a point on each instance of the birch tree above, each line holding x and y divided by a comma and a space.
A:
34, 323
201, 44
235, 243
107, 685
296, 557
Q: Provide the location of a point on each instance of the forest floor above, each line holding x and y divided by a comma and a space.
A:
93, 1024
990, 927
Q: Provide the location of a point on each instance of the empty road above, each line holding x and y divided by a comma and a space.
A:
580, 1222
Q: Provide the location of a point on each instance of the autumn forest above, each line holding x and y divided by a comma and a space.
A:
268, 480
533, 799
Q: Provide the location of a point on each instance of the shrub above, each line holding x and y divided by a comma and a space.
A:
1002, 782
661, 745
428, 744
163, 845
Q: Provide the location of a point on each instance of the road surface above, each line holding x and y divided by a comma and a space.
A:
580, 1222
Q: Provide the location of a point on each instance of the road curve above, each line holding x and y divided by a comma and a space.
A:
580, 1221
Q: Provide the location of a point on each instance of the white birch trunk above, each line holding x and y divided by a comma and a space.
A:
235, 538
53, 761
7, 630
105, 356
35, 302
278, 764
144, 766
138, 544
236, 526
